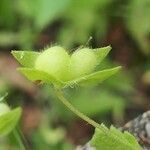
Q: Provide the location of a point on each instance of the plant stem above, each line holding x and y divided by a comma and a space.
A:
18, 139
61, 97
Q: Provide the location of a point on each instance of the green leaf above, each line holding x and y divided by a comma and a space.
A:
102, 52
26, 58
9, 120
94, 78
37, 75
113, 139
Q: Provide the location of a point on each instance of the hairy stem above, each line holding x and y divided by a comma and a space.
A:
61, 97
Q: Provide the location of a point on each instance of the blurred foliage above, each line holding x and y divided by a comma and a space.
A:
82, 18
33, 16
138, 23
49, 138
42, 12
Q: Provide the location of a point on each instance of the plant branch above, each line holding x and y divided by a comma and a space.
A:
61, 97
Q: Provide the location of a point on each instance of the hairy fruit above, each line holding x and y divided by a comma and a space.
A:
54, 61
83, 62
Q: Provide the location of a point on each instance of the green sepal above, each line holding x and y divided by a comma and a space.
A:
38, 75
9, 120
26, 58
114, 139
101, 53
93, 78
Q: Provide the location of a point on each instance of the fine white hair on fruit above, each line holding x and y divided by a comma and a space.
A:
83, 62
54, 61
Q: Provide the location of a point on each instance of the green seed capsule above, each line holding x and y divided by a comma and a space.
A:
83, 62
54, 61
3, 109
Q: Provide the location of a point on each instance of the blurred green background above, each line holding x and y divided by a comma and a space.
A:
36, 24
